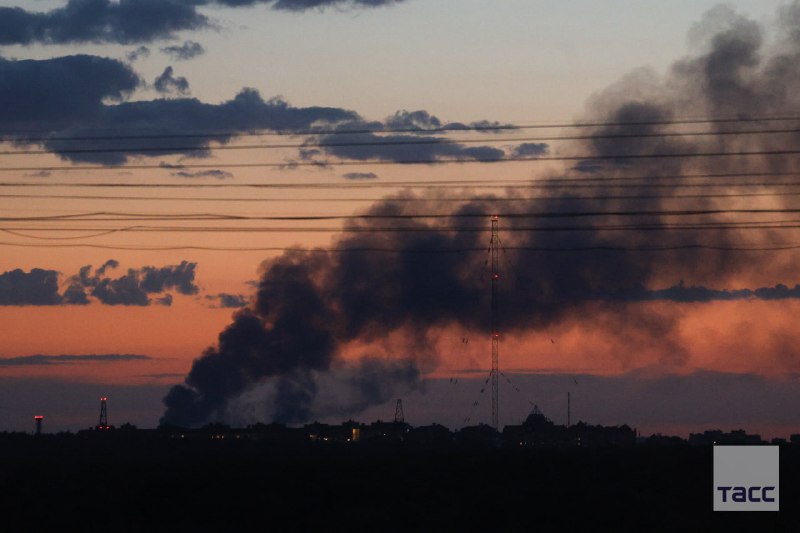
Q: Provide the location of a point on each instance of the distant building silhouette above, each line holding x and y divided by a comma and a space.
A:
716, 436
538, 431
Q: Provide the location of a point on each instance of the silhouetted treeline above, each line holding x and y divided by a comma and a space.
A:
537, 431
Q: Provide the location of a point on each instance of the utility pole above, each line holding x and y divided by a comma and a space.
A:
495, 244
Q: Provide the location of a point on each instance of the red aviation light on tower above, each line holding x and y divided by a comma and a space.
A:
38, 417
103, 421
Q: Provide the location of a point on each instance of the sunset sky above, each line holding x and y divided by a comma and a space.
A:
167, 166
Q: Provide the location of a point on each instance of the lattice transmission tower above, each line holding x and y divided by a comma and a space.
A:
495, 246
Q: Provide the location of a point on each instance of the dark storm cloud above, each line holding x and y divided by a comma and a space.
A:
133, 287
133, 21
167, 83
37, 287
311, 304
98, 21
184, 52
40, 360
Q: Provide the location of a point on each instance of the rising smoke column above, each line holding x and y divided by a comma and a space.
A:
310, 304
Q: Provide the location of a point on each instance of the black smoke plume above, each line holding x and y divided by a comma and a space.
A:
422, 274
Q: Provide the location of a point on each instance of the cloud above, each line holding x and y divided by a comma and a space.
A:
166, 83
133, 21
134, 287
38, 174
682, 293
180, 277
404, 148
413, 138
165, 300
140, 52
530, 150
360, 176
73, 97
213, 173
83, 96
184, 52
100, 21
303, 5
55, 93
163, 375
43, 360
413, 120
227, 300
41, 287
37, 287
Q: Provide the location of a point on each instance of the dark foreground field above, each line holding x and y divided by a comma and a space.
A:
51, 484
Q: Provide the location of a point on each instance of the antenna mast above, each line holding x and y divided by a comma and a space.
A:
398, 412
103, 422
495, 244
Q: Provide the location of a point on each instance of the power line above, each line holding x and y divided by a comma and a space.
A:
463, 183
384, 162
407, 200
697, 226
599, 248
111, 216
391, 142
479, 127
